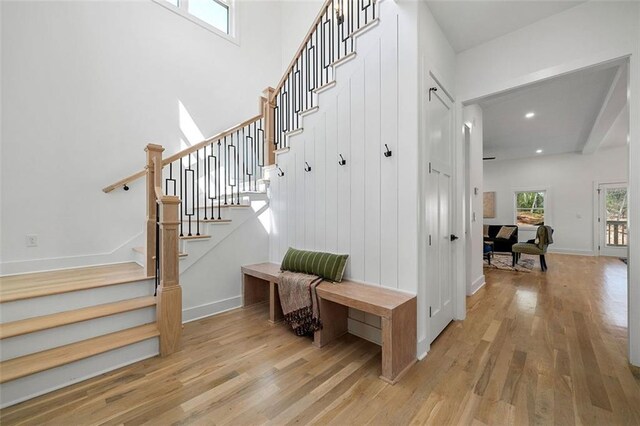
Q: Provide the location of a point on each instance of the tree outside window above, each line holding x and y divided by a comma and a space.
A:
530, 208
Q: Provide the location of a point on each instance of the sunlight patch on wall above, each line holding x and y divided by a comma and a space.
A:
188, 127
265, 220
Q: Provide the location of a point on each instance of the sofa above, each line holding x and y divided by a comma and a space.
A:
501, 245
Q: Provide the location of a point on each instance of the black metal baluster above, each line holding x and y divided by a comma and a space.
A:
256, 153
197, 192
308, 76
155, 293
227, 172
351, 18
316, 68
238, 167
207, 183
172, 180
188, 200
301, 89
181, 199
303, 75
209, 174
289, 98
276, 124
218, 182
245, 156
323, 53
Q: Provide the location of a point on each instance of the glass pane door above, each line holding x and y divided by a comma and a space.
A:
614, 232
616, 217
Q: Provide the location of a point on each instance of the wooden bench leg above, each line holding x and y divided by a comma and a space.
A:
334, 322
399, 342
275, 308
254, 290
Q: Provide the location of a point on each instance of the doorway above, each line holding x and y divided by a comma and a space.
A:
612, 219
440, 277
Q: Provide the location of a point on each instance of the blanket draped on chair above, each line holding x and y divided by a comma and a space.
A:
299, 301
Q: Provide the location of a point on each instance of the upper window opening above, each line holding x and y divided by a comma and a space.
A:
215, 15
213, 12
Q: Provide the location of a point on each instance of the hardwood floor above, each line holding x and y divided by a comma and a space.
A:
535, 349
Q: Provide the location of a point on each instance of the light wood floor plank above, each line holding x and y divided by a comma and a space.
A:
535, 349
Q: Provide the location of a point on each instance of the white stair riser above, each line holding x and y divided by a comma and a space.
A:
22, 389
26, 344
38, 306
199, 247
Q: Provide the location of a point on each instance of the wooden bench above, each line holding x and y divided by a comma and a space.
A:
396, 309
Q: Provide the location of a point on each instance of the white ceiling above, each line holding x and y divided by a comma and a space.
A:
469, 23
566, 109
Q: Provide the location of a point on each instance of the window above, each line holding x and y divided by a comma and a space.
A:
530, 208
213, 12
215, 15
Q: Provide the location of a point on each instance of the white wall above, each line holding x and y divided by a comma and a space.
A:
367, 208
214, 283
85, 86
298, 15
569, 181
473, 117
582, 36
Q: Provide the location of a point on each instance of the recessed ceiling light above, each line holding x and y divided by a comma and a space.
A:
530, 115
538, 151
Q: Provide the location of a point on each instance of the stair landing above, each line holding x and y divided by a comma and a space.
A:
18, 287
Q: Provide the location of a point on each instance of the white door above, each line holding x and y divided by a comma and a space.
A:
439, 211
612, 219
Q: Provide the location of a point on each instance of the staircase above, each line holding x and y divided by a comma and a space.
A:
65, 326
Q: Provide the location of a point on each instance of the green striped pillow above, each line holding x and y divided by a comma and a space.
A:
326, 265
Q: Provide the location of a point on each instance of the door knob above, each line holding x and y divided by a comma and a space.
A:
453, 237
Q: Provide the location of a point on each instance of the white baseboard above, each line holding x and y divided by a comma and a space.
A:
476, 285
121, 254
423, 349
208, 309
576, 252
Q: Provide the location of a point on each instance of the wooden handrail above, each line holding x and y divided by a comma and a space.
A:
182, 153
316, 21
215, 138
123, 182
271, 95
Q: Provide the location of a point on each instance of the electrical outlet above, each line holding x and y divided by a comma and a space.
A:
32, 240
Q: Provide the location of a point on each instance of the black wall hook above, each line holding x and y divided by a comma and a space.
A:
280, 172
307, 167
342, 161
432, 89
125, 187
387, 152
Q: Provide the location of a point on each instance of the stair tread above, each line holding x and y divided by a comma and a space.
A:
25, 286
209, 221
30, 325
223, 206
195, 237
40, 361
143, 251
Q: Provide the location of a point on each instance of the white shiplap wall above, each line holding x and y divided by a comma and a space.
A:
355, 208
